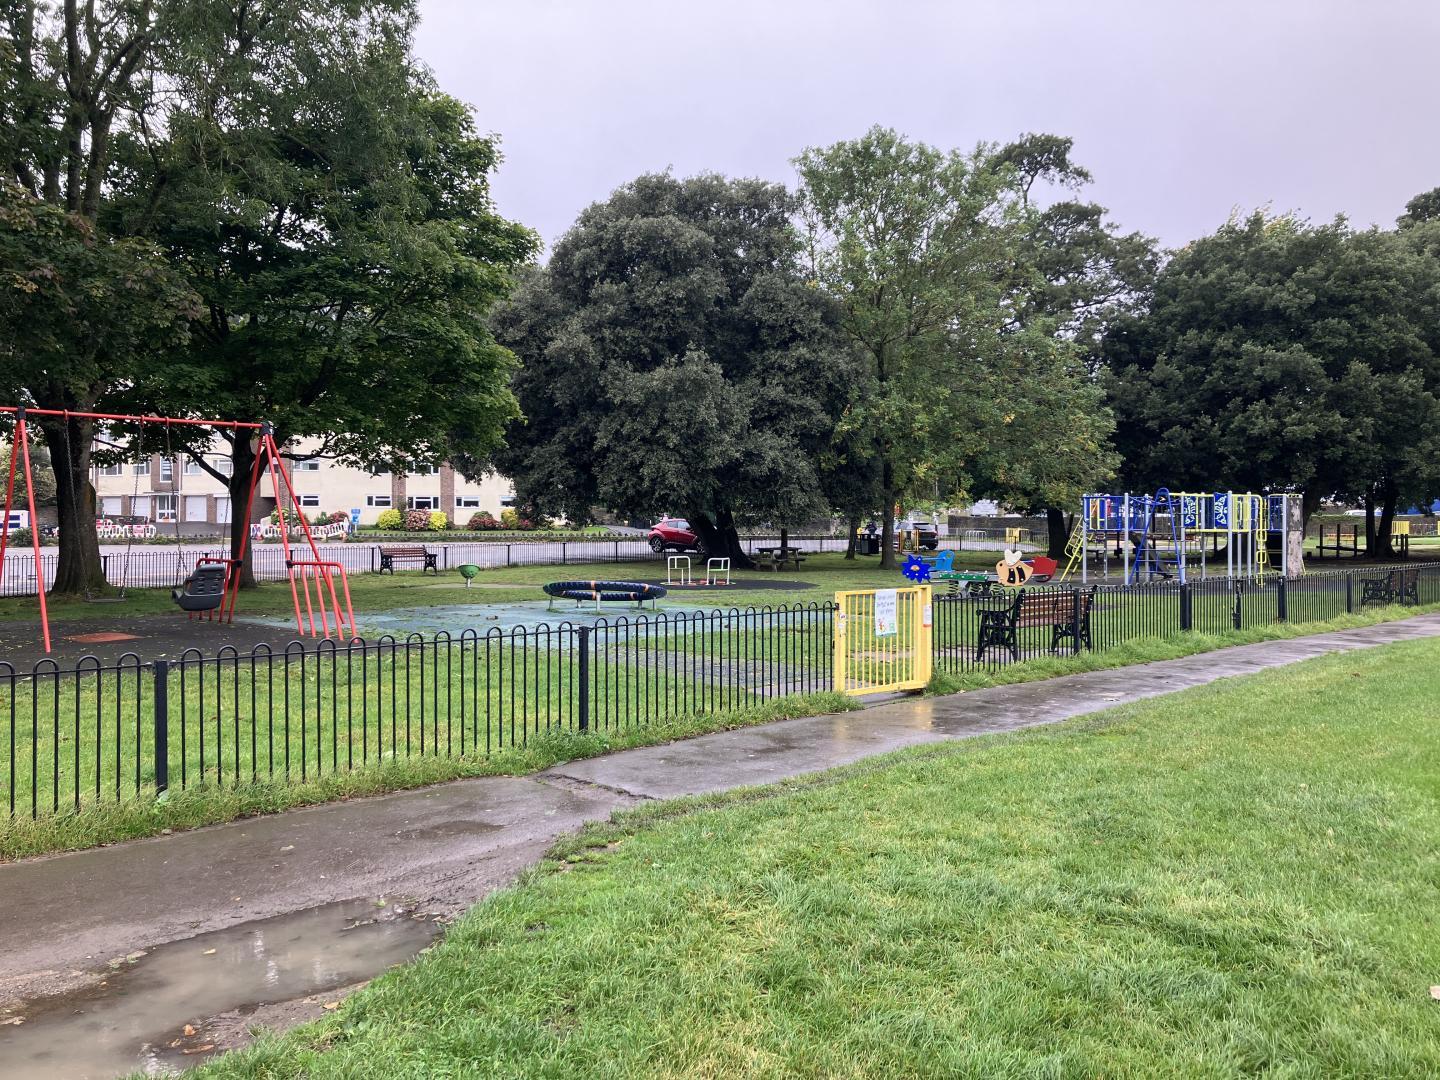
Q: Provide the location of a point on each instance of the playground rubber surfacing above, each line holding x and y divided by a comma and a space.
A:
450, 845
166, 636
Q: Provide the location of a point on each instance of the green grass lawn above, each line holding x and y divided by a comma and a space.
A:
1235, 880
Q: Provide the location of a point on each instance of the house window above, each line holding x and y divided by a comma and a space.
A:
309, 500
167, 470
192, 467
468, 502
378, 470
422, 502
140, 468
165, 506
112, 470
377, 500
222, 465
425, 470
308, 465
507, 500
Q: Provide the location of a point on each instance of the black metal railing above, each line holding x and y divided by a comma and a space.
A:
1115, 615
96, 732
93, 732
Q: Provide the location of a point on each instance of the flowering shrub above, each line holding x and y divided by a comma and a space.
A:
288, 514
335, 518
390, 519
510, 518
438, 521
417, 520
481, 521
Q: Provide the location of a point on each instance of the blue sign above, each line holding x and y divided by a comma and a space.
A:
354, 519
1190, 511
19, 519
1222, 509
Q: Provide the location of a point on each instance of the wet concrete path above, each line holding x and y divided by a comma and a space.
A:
69, 921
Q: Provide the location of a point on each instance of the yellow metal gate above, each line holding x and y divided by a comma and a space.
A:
882, 640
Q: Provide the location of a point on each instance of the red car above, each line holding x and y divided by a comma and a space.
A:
672, 534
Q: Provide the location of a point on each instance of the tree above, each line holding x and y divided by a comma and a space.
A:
921, 248
332, 210
1075, 273
81, 305
1274, 354
674, 359
39, 467
78, 312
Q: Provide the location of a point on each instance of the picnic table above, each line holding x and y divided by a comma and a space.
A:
773, 557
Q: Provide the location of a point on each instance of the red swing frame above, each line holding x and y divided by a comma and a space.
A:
326, 602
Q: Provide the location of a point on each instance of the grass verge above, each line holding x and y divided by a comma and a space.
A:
1237, 879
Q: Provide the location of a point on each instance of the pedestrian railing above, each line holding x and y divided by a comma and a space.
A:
91, 733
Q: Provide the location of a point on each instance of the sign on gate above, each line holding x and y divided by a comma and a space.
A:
887, 612
882, 640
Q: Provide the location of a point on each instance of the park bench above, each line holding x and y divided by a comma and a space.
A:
792, 557
391, 553
1066, 613
1402, 586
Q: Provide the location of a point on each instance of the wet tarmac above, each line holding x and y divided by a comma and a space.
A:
70, 925
176, 1005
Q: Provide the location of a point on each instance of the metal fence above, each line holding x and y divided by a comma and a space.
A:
985, 632
98, 732
156, 567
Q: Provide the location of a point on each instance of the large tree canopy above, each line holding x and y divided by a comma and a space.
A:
1074, 273
325, 208
676, 360
1275, 353
968, 340
332, 210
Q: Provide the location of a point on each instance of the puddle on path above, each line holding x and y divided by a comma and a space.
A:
130, 1024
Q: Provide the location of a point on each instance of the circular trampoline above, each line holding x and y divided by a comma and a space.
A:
605, 592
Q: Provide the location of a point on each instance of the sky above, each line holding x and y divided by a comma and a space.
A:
1183, 110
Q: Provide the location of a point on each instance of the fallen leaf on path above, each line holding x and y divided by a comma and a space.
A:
13, 1020
208, 952
189, 1030
198, 1049
330, 1006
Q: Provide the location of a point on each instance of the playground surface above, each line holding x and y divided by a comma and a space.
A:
447, 846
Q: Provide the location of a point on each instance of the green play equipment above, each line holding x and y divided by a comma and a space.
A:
469, 571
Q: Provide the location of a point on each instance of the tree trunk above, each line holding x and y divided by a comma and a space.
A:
719, 539
1384, 541
854, 526
887, 517
79, 570
1059, 530
784, 538
1370, 551
242, 460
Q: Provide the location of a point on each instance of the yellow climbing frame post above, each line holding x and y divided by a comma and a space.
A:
883, 640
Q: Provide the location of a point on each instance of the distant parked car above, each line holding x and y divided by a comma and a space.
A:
672, 534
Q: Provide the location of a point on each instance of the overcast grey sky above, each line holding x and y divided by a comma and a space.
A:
1182, 110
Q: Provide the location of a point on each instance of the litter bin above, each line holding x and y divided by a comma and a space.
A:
869, 545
